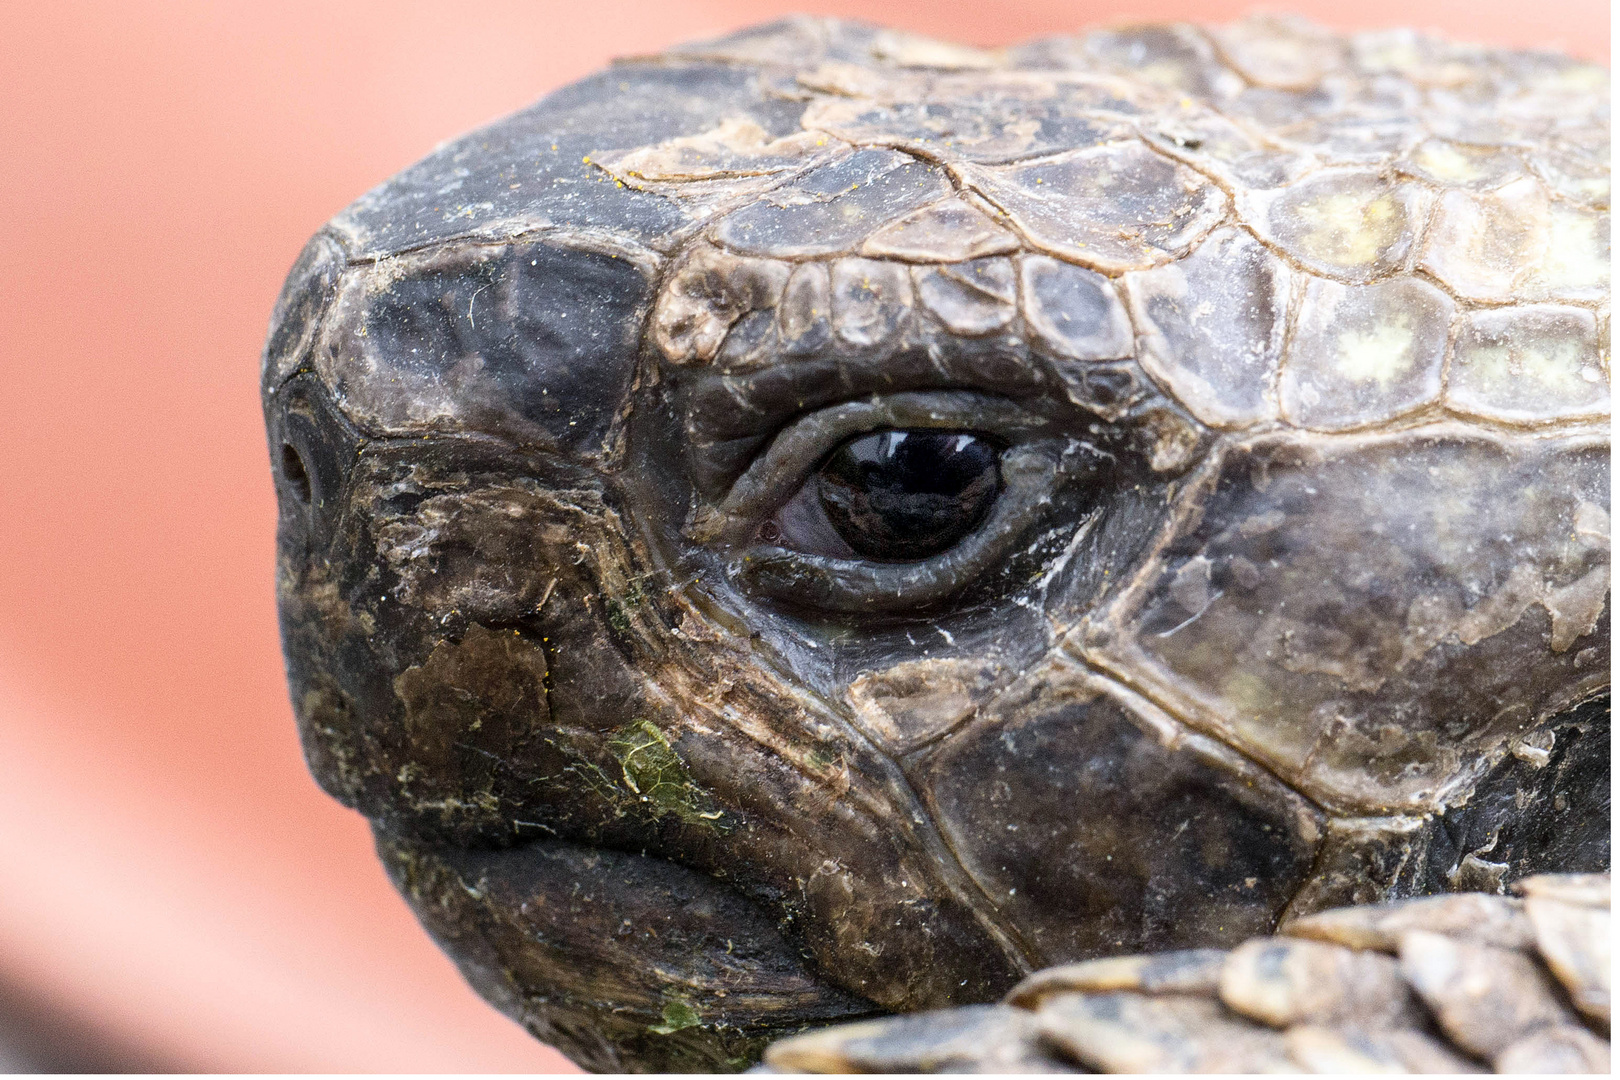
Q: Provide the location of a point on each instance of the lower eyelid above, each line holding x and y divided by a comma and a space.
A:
1030, 474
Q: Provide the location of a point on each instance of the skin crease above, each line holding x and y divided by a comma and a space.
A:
539, 632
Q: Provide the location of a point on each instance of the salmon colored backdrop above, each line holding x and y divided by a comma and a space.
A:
172, 884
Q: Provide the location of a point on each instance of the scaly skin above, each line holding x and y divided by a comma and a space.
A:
1292, 351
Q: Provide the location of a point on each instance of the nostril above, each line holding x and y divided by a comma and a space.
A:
294, 472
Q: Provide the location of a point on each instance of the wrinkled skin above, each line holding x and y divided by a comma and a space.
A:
1294, 592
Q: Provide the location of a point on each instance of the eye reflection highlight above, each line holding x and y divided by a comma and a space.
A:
899, 495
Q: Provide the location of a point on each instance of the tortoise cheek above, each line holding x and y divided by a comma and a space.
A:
1376, 618
1098, 825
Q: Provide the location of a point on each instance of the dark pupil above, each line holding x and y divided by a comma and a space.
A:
903, 495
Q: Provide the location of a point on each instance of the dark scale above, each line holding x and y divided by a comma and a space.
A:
903, 495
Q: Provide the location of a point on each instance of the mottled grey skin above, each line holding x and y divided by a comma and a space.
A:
1296, 594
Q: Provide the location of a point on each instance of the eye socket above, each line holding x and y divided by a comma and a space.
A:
904, 495
895, 504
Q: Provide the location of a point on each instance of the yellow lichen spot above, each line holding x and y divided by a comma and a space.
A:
1555, 366
1576, 257
1248, 698
1380, 355
1348, 229
1443, 161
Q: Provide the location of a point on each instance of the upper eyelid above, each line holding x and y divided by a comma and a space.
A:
722, 407
796, 450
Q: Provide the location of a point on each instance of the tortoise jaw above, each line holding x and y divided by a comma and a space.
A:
621, 960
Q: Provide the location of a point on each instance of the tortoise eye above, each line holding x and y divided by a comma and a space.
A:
895, 503
901, 496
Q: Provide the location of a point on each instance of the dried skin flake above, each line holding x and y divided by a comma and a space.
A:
1280, 51
871, 301
709, 292
834, 208
948, 231
738, 149
1111, 208
1211, 327
1516, 244
970, 298
1177, 57
1074, 312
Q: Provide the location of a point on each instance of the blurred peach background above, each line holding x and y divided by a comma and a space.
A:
175, 893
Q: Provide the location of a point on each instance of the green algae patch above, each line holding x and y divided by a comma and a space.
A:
655, 772
679, 1014
620, 610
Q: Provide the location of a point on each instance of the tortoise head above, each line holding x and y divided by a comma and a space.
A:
826, 521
